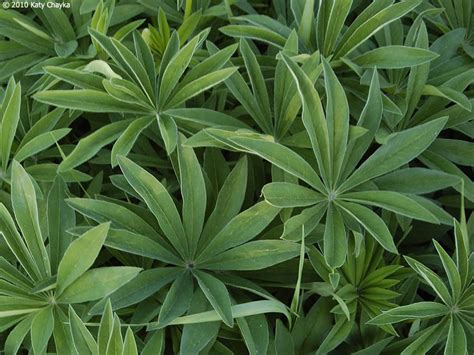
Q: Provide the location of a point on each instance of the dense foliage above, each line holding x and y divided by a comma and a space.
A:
241, 176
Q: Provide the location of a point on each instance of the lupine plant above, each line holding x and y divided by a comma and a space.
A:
236, 177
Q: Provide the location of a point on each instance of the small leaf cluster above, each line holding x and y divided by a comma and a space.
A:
237, 177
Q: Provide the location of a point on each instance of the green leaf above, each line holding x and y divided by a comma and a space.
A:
335, 22
256, 78
282, 157
451, 271
283, 341
42, 329
427, 339
97, 283
394, 57
80, 256
40, 143
127, 139
375, 17
83, 340
432, 279
129, 345
372, 223
240, 229
400, 149
285, 195
306, 22
418, 74
313, 118
86, 100
308, 219
456, 342
335, 240
193, 192
238, 311
217, 294
369, 119
177, 300
199, 85
126, 60
200, 336
140, 245
10, 111
203, 117
448, 93
416, 181
26, 213
254, 330
115, 344
92, 144
155, 343
16, 244
229, 201
337, 115
254, 32
105, 328
175, 69
419, 310
78, 78
339, 332
16, 336
392, 201
212, 63
254, 255
119, 216
169, 132
145, 284
158, 201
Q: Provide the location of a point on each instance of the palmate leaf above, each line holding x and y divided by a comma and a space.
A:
185, 176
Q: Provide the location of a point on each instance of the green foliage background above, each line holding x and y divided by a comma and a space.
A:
231, 177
